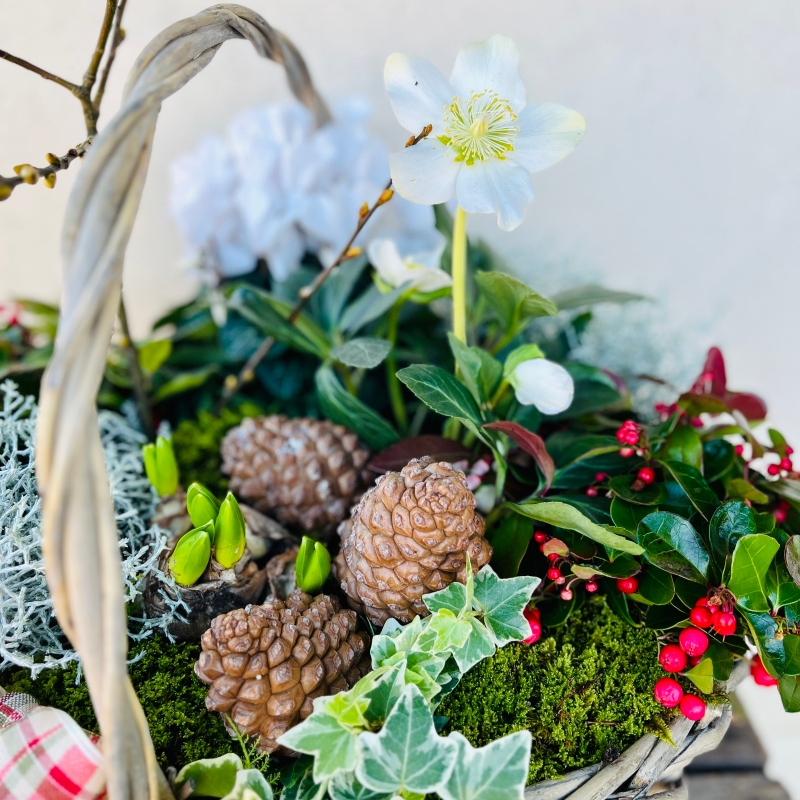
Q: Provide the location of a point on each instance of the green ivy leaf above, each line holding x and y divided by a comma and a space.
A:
333, 745
685, 445
497, 771
452, 598
382, 692
752, 557
212, 777
407, 755
502, 602
365, 352
451, 632
730, 522
695, 486
341, 407
672, 544
562, 515
478, 646
395, 639
345, 786
702, 676
250, 785
789, 688
649, 495
441, 392
514, 303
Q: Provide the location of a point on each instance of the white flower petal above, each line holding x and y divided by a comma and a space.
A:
425, 173
496, 186
543, 384
388, 262
417, 90
493, 64
547, 133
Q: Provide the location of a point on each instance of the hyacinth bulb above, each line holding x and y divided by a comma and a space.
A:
202, 506
191, 555
313, 565
229, 533
161, 467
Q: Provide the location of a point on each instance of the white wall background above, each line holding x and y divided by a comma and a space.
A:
687, 184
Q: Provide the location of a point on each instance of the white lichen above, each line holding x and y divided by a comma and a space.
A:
29, 634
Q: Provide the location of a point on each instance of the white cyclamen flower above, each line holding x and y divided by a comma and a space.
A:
423, 270
485, 141
543, 384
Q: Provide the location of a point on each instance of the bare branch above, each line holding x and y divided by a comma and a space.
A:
21, 62
116, 38
30, 174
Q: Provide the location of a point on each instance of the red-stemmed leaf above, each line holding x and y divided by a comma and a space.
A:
531, 443
396, 456
715, 369
751, 405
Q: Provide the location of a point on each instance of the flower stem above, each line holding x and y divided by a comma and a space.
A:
395, 390
459, 274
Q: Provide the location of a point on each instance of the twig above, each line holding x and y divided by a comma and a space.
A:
235, 382
143, 409
26, 173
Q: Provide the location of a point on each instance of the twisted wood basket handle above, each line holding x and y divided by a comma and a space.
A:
80, 542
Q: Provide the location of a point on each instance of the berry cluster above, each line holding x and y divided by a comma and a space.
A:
784, 466
629, 436
715, 612
556, 560
692, 643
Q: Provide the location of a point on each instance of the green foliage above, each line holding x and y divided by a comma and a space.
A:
584, 690
197, 444
173, 700
160, 466
313, 565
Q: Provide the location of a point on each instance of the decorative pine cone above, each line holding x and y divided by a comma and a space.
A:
306, 472
409, 536
267, 663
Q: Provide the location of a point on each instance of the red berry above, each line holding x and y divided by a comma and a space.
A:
780, 515
668, 692
561, 580
789, 450
692, 707
554, 573
760, 674
566, 594
725, 624
672, 658
632, 437
552, 556
622, 435
533, 617
591, 586
693, 642
591, 491
646, 475
626, 452
627, 585
773, 469
600, 477
540, 537
739, 449
701, 601
786, 463
696, 422
701, 617
694, 660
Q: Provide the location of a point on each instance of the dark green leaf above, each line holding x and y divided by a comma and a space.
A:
591, 294
618, 603
569, 446
739, 487
369, 306
676, 501
478, 371
718, 456
582, 471
695, 486
555, 611
765, 523
792, 558
365, 352
671, 543
341, 407
688, 592
781, 588
595, 508
510, 541
722, 660
752, 557
513, 302
789, 688
621, 567
627, 515
649, 495
334, 293
684, 445
184, 382
730, 522
655, 585
791, 644
661, 618
441, 392
763, 628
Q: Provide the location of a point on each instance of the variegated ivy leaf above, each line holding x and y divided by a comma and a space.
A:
407, 755
250, 785
502, 602
495, 772
394, 639
345, 786
348, 708
304, 788
478, 646
457, 597
212, 777
332, 744
423, 670
383, 694
451, 632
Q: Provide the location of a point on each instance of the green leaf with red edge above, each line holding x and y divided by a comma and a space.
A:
531, 443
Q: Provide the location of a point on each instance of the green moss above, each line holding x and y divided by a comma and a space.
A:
172, 697
584, 693
197, 445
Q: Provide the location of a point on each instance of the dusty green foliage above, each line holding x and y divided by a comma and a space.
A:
585, 692
196, 444
172, 697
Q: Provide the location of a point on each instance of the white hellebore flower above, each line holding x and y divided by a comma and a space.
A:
543, 384
485, 141
423, 270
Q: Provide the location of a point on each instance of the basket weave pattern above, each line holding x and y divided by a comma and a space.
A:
80, 540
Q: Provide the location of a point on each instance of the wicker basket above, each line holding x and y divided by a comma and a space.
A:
80, 541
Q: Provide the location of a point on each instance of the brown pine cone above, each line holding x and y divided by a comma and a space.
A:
267, 663
409, 536
305, 472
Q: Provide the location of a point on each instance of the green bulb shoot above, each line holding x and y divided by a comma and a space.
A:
313, 565
161, 467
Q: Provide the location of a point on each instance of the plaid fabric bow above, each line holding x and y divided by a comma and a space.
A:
45, 755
